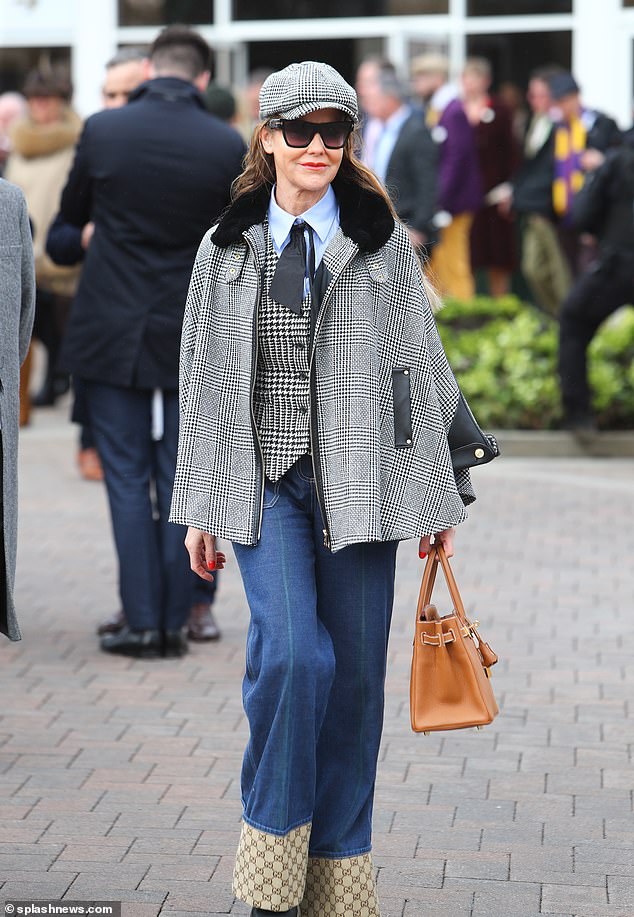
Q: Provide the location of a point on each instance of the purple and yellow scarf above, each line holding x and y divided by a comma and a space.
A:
570, 143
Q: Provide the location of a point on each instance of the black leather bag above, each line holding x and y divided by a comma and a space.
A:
468, 444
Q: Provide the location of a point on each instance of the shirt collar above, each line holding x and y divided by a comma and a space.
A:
320, 217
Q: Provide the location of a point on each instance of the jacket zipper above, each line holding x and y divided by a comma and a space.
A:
314, 445
254, 367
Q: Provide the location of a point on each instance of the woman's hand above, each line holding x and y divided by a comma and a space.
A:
203, 557
445, 538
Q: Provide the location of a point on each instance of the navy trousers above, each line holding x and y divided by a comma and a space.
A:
155, 579
594, 297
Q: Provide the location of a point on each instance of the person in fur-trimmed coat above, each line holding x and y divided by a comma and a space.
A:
43, 146
17, 307
315, 403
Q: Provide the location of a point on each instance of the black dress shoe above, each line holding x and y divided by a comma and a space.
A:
174, 643
260, 912
142, 644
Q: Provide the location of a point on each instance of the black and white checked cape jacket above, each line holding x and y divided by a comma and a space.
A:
374, 329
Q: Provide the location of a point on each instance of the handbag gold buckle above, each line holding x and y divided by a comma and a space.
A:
438, 639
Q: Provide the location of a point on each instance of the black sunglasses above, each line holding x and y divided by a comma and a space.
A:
300, 133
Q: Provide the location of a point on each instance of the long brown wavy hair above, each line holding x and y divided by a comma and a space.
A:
259, 169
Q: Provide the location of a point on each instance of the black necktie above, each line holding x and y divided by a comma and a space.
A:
287, 286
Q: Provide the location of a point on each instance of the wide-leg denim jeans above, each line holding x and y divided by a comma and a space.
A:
313, 694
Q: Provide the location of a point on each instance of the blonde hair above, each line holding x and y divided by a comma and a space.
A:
432, 62
479, 65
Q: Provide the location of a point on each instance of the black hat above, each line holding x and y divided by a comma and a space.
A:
563, 84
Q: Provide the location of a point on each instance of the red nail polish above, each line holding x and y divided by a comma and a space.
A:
422, 554
212, 564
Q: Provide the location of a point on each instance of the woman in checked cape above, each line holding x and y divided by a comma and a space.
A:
315, 404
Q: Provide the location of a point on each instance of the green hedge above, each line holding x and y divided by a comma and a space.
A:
504, 354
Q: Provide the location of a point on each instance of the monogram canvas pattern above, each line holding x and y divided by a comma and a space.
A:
343, 887
270, 871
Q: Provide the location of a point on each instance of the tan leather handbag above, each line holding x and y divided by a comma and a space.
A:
450, 686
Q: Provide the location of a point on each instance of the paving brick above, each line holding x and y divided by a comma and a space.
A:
446, 902
196, 896
478, 866
418, 817
139, 909
24, 885
621, 891
517, 897
86, 887
484, 812
119, 778
395, 844
577, 897
402, 874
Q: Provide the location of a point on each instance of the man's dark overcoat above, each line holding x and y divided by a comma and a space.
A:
152, 176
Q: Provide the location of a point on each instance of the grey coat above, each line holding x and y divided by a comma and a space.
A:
17, 304
382, 394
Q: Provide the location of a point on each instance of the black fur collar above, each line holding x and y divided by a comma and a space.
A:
365, 217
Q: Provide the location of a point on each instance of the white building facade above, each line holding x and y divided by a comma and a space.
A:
593, 37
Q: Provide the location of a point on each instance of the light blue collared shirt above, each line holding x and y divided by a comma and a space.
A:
387, 140
323, 218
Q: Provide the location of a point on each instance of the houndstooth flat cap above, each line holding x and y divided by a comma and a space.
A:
301, 88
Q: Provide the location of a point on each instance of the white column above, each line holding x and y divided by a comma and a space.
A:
221, 49
396, 46
600, 58
457, 36
94, 43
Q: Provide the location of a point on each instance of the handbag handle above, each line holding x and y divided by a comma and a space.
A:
437, 555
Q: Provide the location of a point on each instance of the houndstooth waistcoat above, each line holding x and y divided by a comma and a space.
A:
382, 393
281, 398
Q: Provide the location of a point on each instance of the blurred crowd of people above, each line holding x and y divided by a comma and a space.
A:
485, 186
488, 188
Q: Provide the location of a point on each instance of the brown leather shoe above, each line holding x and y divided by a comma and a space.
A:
201, 625
89, 465
112, 625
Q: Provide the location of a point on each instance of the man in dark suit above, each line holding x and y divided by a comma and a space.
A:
604, 207
152, 176
544, 265
404, 156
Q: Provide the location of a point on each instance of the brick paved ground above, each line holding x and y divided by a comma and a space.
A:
118, 778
